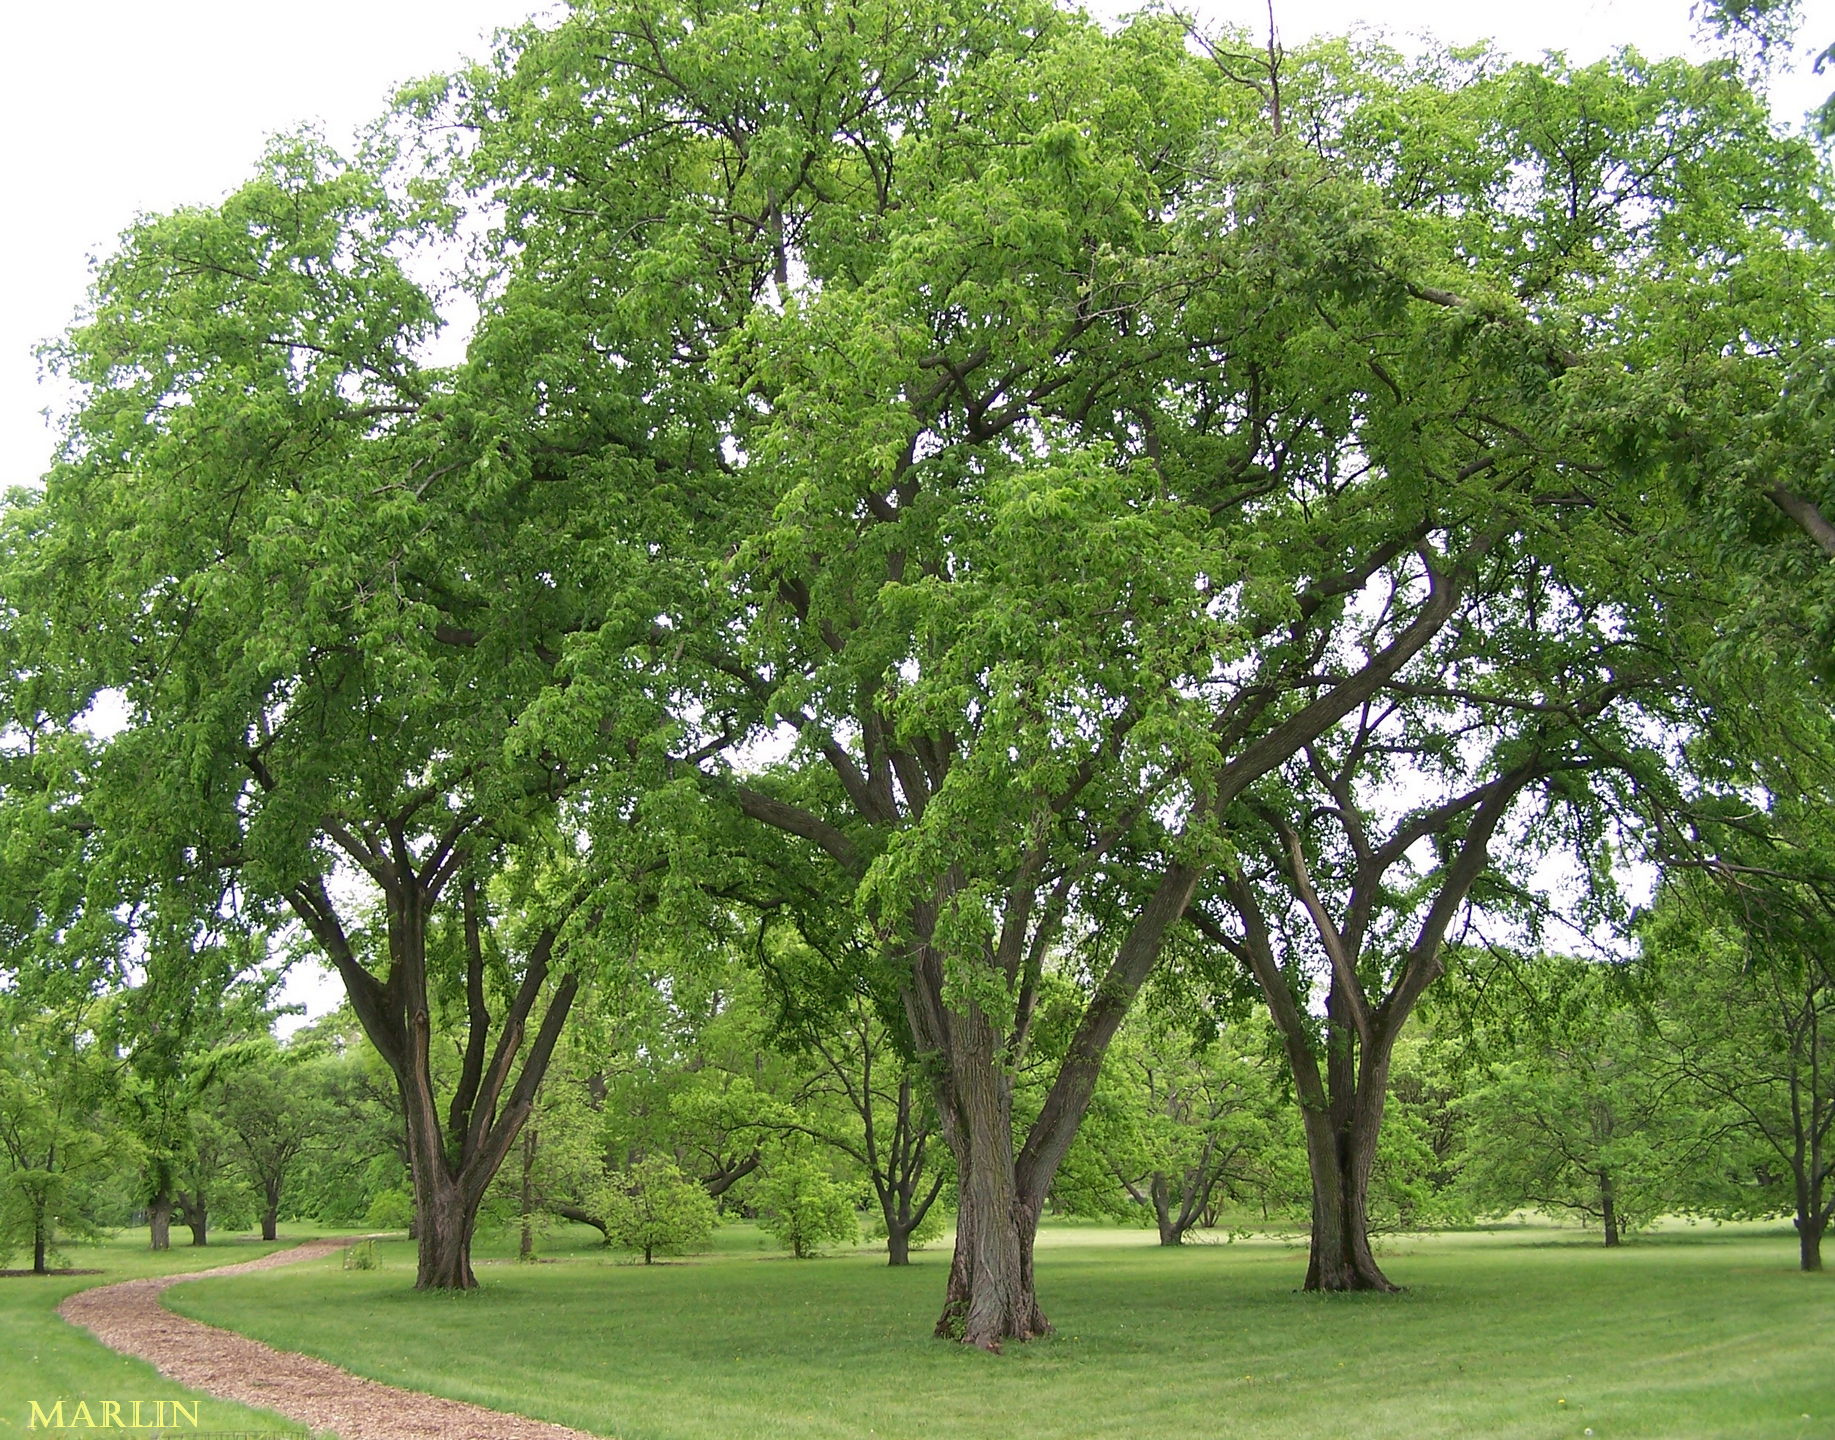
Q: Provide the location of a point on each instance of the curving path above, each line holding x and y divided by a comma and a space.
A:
128, 1317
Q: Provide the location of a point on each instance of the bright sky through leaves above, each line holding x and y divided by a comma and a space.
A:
115, 107
119, 106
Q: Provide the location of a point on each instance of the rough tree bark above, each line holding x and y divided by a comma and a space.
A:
194, 1214
1340, 1153
159, 1221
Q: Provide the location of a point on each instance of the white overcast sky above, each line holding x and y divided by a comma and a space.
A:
117, 107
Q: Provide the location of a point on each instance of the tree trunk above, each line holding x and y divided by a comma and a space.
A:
1809, 1240
270, 1215
159, 1221
1340, 1157
41, 1246
451, 1159
1812, 1215
447, 1222
196, 1218
1159, 1189
525, 1249
990, 1297
898, 1245
1608, 1208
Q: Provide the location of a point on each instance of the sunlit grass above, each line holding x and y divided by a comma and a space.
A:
1517, 1332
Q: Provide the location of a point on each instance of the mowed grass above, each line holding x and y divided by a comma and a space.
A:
1521, 1333
44, 1359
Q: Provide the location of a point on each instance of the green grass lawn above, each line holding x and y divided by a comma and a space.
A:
44, 1359
1520, 1333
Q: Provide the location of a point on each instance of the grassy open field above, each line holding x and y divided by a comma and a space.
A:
43, 1359
1530, 1334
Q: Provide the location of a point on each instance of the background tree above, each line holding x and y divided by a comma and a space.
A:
1745, 1007
1570, 1106
275, 1107
803, 1207
862, 1094
1184, 1129
57, 1136
653, 1207
337, 614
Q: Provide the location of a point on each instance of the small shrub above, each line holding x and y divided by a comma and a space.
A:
804, 1209
362, 1256
656, 1209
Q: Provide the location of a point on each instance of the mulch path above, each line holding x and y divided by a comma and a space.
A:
128, 1317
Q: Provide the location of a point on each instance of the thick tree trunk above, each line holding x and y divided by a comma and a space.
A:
898, 1246
1340, 1157
159, 1221
990, 1298
270, 1224
1810, 1230
196, 1218
1608, 1208
447, 1222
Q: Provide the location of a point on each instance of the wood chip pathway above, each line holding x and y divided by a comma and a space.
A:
129, 1317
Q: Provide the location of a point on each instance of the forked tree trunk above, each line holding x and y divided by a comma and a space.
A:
451, 1157
897, 1171
159, 1221
1340, 1158
1341, 1152
1159, 1189
991, 1296
902, 1215
196, 1218
447, 1223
